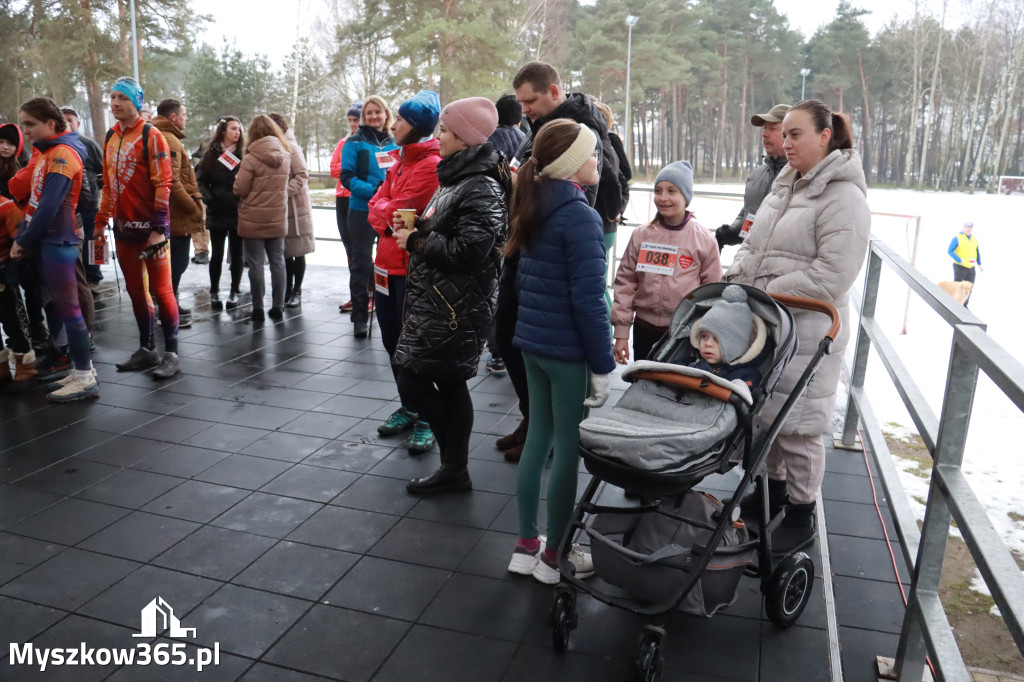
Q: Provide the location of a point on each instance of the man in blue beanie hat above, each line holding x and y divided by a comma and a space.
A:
421, 112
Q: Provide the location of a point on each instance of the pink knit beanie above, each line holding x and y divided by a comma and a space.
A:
473, 119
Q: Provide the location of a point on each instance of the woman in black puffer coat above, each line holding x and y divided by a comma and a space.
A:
451, 291
215, 176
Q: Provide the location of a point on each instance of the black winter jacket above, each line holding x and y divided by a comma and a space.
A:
216, 184
611, 194
454, 259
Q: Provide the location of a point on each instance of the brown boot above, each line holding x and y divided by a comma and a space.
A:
24, 372
516, 438
514, 453
5, 368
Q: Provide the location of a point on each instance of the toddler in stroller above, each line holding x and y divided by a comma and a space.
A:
730, 343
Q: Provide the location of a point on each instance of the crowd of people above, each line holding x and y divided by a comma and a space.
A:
467, 226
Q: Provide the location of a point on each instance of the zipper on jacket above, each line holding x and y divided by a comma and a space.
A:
453, 324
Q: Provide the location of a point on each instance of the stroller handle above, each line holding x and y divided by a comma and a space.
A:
815, 305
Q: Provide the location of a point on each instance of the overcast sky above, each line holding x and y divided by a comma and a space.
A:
245, 21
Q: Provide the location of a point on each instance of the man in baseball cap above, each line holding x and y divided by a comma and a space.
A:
760, 181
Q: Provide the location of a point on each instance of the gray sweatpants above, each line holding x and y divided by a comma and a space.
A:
254, 250
800, 462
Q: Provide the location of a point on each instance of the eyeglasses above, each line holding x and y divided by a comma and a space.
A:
596, 154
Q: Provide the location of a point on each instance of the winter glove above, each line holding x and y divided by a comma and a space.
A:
727, 236
599, 390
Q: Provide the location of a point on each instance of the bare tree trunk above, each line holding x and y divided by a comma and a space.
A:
915, 96
977, 98
865, 133
933, 97
1015, 67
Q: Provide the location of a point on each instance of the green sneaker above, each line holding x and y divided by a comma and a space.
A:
400, 420
421, 440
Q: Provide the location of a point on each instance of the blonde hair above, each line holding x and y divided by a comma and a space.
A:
606, 111
389, 117
264, 126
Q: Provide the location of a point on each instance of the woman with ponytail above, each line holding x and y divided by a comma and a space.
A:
562, 330
808, 239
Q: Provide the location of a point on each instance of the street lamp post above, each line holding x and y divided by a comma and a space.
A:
803, 88
630, 22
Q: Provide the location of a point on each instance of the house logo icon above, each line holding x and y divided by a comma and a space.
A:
158, 616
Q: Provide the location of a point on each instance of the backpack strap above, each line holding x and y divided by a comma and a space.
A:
145, 143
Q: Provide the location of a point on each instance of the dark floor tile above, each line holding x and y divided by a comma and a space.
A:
400, 464
339, 643
320, 424
311, 483
544, 663
261, 672
467, 658
243, 471
244, 621
71, 633
859, 649
498, 477
378, 494
288, 447
256, 393
723, 646
216, 553
868, 604
263, 514
351, 406
351, 456
476, 508
388, 588
170, 429
17, 503
349, 530
201, 386
239, 414
69, 579
849, 488
297, 570
796, 653
502, 609
852, 518
123, 451
427, 543
130, 488
139, 536
120, 420
322, 383
865, 558
226, 437
227, 669
122, 602
21, 621
30, 457
181, 460
69, 522
490, 556
196, 501
19, 554
68, 477
848, 462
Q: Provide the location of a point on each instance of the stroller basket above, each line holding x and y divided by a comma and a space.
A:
652, 555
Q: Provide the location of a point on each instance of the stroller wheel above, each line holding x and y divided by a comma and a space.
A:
648, 659
563, 619
789, 589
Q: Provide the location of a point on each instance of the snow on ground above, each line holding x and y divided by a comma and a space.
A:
993, 461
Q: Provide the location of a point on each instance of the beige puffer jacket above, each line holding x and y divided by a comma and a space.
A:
262, 184
809, 239
300, 239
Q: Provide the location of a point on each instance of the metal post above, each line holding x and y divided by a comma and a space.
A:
630, 22
135, 44
913, 262
803, 88
869, 298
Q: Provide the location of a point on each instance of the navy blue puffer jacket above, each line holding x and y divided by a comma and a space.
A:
561, 282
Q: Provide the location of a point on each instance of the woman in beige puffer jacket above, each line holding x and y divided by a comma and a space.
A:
300, 240
262, 185
809, 239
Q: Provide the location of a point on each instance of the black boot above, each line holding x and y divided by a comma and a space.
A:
232, 300
796, 531
216, 304
778, 498
441, 481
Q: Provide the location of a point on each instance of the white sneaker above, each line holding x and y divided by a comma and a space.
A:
548, 574
582, 562
523, 560
57, 385
75, 390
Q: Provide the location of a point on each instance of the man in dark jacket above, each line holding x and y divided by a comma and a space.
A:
759, 184
88, 203
507, 137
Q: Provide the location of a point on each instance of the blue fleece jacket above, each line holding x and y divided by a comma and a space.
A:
360, 173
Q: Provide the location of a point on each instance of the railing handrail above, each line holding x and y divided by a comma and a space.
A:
926, 630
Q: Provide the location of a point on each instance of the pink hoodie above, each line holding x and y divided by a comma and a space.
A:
652, 296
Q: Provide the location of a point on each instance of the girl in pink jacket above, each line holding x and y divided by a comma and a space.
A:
664, 261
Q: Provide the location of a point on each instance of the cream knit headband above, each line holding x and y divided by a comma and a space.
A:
573, 158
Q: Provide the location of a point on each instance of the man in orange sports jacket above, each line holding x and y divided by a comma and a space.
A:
136, 190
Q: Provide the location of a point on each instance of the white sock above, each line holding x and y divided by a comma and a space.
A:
84, 376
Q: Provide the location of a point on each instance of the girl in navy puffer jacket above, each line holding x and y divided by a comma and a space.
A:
562, 329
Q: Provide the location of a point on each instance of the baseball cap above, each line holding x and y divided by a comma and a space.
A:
775, 115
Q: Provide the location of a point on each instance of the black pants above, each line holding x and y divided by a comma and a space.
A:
962, 274
24, 274
445, 404
180, 248
360, 237
341, 216
389, 311
217, 238
13, 319
644, 338
295, 272
504, 330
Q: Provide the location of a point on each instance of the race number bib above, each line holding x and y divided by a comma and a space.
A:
97, 253
745, 230
658, 259
514, 165
385, 160
229, 160
380, 280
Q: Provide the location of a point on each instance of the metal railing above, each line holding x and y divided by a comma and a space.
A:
926, 630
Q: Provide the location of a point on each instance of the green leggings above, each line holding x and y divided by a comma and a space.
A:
557, 391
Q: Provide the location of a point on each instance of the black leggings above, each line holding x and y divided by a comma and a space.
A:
444, 404
295, 272
217, 238
644, 338
389, 310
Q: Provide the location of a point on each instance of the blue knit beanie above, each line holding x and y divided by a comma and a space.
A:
680, 174
130, 88
356, 110
422, 111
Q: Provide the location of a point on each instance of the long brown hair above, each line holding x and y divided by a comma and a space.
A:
551, 142
216, 147
45, 109
264, 126
823, 117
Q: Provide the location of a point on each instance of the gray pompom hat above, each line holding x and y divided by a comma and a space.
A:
731, 321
